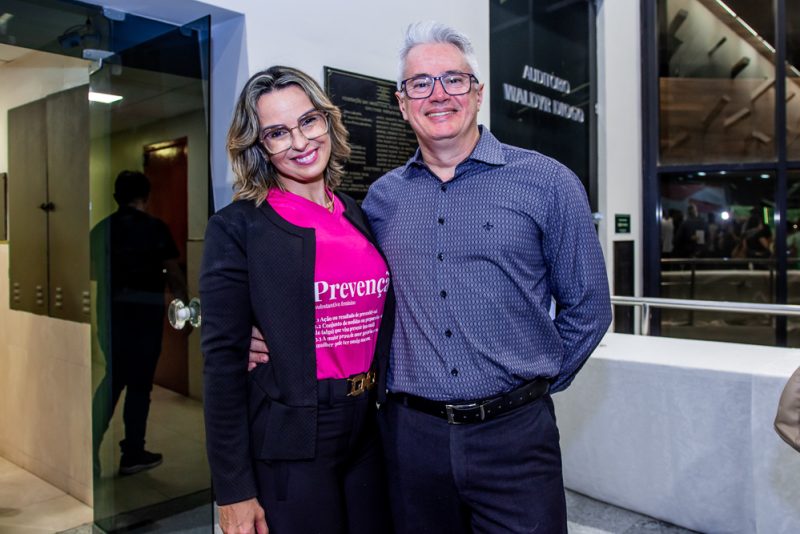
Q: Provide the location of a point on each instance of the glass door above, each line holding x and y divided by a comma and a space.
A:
149, 184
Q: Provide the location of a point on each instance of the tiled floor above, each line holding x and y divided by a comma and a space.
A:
28, 505
588, 516
175, 429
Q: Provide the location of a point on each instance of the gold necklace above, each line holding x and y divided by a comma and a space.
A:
328, 203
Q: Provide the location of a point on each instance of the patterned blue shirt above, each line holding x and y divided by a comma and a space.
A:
476, 263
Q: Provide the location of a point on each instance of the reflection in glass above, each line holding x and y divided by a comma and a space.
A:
717, 76
135, 257
793, 253
793, 80
150, 246
717, 243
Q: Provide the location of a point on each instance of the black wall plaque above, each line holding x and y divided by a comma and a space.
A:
543, 81
379, 137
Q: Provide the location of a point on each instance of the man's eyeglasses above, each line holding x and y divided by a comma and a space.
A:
279, 138
453, 83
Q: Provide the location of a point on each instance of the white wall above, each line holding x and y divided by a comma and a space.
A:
619, 126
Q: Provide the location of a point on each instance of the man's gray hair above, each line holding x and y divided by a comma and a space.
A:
430, 32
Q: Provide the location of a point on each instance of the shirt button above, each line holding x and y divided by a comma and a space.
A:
443, 293
441, 220
440, 257
443, 188
448, 333
454, 371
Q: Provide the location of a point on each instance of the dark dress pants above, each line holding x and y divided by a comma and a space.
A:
498, 476
132, 351
343, 489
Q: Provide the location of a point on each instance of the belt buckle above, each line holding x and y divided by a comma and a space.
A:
452, 408
360, 383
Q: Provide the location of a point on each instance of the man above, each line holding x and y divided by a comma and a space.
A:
133, 256
480, 238
691, 237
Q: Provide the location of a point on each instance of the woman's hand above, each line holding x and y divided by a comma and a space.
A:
246, 517
259, 353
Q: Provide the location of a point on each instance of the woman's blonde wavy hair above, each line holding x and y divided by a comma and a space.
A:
255, 175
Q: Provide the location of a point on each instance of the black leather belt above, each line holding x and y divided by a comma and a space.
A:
476, 411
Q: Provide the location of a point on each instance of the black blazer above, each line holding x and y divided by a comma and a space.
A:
258, 269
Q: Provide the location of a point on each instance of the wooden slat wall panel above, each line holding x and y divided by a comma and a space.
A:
68, 190
27, 191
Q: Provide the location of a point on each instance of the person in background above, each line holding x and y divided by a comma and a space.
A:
691, 237
133, 258
757, 236
793, 244
667, 235
293, 445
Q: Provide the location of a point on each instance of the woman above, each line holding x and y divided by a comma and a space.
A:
295, 439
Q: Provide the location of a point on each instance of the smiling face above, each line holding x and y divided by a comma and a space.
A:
441, 117
305, 162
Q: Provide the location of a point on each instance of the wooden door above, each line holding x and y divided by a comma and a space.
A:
166, 165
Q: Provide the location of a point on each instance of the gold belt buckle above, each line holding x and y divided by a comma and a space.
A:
360, 383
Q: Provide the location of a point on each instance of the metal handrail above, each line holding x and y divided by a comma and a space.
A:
694, 263
727, 260
646, 303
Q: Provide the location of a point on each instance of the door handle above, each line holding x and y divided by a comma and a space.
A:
179, 313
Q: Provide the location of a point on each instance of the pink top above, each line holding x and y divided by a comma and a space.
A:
350, 284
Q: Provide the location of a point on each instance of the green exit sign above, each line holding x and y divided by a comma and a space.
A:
622, 223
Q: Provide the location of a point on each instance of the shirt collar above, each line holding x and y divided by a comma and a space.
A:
488, 150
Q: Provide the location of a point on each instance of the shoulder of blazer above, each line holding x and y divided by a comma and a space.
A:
243, 213
233, 220
238, 209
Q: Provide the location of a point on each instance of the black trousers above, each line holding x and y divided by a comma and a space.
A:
132, 351
343, 489
493, 477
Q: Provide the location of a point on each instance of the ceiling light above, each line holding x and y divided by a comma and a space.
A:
103, 98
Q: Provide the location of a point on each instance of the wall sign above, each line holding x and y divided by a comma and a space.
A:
543, 81
380, 138
622, 223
